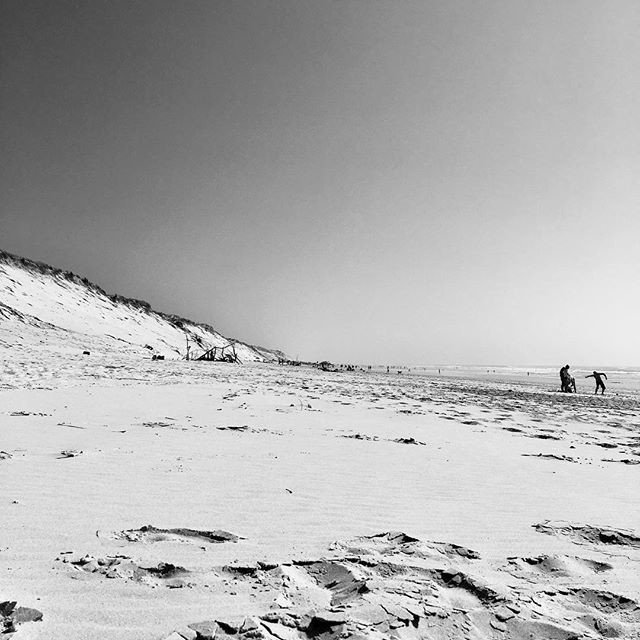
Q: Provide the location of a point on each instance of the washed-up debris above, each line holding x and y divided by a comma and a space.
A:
245, 428
363, 436
159, 424
27, 413
69, 453
409, 441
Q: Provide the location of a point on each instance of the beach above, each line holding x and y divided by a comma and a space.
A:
142, 498
317, 320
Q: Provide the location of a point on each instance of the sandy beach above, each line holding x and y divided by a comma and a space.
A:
143, 499
318, 320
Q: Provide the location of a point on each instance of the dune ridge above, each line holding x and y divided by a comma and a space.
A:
41, 304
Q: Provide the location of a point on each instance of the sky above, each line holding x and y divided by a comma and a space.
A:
360, 181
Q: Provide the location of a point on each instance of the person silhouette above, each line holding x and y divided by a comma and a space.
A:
567, 381
598, 378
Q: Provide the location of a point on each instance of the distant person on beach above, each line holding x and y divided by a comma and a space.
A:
564, 375
567, 381
598, 378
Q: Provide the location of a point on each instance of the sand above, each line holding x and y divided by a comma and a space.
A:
150, 500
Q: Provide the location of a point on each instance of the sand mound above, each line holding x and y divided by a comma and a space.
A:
149, 533
581, 533
398, 542
122, 567
394, 586
558, 566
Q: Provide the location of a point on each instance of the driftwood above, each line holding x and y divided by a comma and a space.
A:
227, 353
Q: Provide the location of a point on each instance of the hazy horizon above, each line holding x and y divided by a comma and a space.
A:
354, 181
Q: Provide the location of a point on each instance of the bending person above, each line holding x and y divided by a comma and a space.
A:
567, 382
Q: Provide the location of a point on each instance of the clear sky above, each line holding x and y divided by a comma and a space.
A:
356, 180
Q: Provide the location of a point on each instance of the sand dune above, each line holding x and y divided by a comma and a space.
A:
43, 308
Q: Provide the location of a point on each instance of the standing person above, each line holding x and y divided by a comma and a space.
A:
598, 378
565, 379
